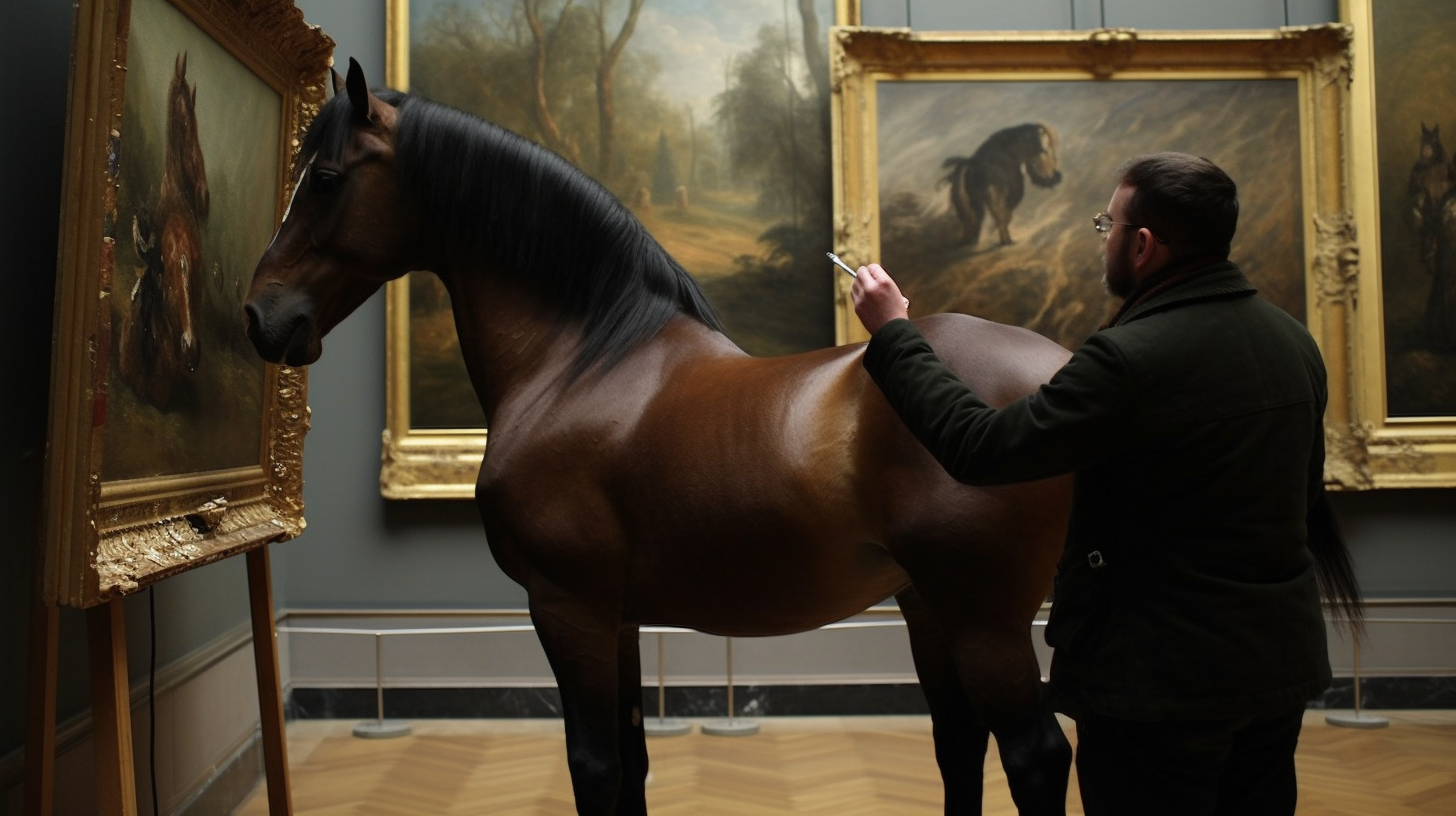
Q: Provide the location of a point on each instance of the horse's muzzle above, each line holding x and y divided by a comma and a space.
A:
1046, 180
281, 329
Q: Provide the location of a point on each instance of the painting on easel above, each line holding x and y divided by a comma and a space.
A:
171, 445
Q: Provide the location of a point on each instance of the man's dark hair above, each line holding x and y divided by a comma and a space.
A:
1187, 201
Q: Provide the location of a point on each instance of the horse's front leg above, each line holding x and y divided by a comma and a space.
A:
605, 747
631, 735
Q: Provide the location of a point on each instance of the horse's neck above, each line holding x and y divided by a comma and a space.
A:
511, 341
178, 191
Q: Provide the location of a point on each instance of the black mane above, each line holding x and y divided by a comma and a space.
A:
497, 199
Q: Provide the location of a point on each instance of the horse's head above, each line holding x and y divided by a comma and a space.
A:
346, 232
1431, 149
185, 167
1041, 167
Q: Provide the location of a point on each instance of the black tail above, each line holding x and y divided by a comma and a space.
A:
1335, 570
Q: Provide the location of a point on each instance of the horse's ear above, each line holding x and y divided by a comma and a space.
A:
180, 65
338, 82
359, 95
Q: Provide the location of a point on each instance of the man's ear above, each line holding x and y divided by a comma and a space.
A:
1147, 256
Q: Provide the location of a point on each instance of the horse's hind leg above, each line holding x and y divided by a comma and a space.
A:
1037, 759
984, 631
960, 734
1003, 683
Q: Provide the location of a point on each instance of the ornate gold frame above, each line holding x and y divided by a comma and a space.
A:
1393, 451
1317, 57
108, 538
421, 463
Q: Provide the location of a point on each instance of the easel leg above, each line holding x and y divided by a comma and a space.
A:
111, 711
40, 711
270, 693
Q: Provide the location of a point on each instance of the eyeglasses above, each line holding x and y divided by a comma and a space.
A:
1102, 222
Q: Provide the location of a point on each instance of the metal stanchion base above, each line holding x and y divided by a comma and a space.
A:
731, 727
666, 726
385, 729
1357, 719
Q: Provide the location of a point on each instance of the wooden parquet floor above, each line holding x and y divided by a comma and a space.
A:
851, 766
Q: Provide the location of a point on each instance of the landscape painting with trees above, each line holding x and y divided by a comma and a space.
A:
709, 119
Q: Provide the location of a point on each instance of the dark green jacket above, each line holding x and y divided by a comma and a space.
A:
1194, 430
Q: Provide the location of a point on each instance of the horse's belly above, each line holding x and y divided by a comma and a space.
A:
757, 588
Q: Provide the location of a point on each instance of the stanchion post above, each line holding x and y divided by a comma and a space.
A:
731, 727
380, 728
661, 726
1358, 719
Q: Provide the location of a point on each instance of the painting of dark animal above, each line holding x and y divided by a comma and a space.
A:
159, 340
1430, 181
1433, 214
643, 469
1440, 315
1409, 74
993, 178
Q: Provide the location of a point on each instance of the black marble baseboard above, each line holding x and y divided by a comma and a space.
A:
1392, 693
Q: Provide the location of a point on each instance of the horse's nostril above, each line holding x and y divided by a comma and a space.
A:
251, 317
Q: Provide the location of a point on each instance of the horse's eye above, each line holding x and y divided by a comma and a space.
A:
326, 181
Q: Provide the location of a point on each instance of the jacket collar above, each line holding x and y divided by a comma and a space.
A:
1213, 280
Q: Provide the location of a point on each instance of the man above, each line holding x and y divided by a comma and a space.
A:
1187, 625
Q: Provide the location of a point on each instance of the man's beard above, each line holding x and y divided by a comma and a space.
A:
1116, 285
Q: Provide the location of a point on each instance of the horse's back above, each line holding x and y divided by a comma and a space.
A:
1000, 362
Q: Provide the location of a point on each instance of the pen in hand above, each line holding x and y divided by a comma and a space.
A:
842, 264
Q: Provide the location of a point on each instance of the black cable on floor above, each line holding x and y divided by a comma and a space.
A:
152, 698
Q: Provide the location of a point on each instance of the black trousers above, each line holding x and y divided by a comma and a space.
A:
1221, 767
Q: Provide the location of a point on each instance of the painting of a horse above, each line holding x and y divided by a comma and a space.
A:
159, 338
643, 469
1430, 180
1432, 190
991, 179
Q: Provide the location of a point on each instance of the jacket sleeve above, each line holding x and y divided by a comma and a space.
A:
1073, 422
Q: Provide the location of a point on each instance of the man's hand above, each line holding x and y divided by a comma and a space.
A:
877, 300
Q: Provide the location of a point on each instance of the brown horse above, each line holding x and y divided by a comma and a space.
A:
991, 178
159, 337
644, 470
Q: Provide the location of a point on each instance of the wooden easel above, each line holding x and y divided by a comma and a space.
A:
111, 702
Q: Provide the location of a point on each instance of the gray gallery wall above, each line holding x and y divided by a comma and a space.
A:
360, 551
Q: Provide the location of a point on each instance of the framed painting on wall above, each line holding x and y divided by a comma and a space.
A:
971, 165
711, 121
1406, 207
171, 444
